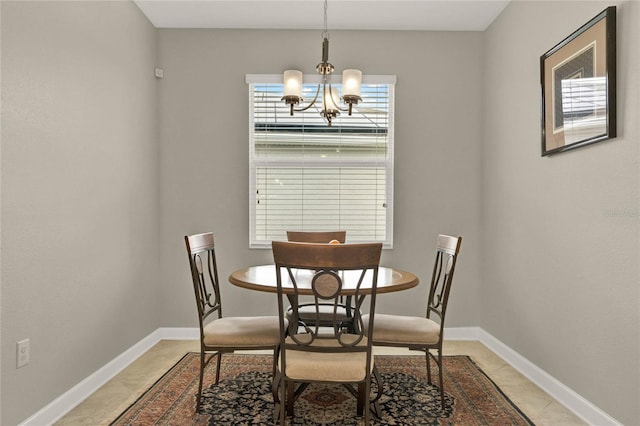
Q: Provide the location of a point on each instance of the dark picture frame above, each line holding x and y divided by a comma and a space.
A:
578, 81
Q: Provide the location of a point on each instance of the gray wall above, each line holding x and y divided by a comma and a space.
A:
79, 192
560, 234
204, 151
98, 159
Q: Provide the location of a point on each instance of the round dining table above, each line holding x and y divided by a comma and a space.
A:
263, 278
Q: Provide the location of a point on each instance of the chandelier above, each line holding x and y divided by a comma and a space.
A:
351, 80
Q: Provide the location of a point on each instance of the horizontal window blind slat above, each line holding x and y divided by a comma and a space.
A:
309, 176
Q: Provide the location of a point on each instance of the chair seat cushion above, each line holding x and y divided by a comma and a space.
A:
400, 329
243, 331
340, 367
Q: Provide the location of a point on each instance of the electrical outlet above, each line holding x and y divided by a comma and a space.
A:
23, 353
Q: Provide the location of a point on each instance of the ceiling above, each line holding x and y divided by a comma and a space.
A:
421, 15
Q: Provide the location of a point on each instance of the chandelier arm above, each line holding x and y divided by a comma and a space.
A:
315, 98
336, 102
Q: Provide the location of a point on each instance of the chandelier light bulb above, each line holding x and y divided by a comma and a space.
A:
329, 104
351, 81
293, 83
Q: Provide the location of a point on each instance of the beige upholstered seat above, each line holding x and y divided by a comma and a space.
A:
405, 330
315, 353
220, 334
423, 333
242, 331
325, 366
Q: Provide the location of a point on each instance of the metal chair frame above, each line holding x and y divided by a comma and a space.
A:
326, 263
206, 285
447, 251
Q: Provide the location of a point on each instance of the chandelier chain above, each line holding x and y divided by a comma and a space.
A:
325, 32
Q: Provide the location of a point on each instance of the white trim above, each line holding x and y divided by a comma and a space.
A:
67, 401
571, 400
390, 163
574, 402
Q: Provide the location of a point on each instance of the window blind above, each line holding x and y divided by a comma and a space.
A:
307, 176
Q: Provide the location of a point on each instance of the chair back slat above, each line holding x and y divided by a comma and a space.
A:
200, 242
339, 256
449, 244
316, 236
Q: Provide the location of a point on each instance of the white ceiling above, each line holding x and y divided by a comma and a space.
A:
428, 15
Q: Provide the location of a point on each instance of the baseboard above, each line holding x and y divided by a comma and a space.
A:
571, 400
67, 401
581, 407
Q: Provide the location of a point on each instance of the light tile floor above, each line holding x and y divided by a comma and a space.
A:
104, 405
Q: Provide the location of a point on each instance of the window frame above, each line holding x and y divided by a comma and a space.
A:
388, 163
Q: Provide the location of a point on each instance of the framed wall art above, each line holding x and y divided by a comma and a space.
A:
578, 79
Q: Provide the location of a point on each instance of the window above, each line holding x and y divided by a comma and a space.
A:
307, 176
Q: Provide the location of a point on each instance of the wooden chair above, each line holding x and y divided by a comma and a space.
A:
220, 334
423, 333
313, 353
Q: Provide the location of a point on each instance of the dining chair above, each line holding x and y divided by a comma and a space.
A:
220, 334
306, 311
334, 354
423, 333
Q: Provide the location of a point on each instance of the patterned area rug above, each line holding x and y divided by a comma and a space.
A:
243, 396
